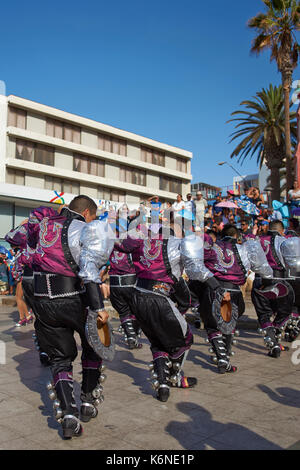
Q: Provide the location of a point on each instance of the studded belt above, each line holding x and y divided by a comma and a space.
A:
55, 286
126, 280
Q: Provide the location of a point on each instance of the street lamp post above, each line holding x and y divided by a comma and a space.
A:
243, 179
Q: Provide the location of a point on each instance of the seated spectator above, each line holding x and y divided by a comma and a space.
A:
294, 194
245, 227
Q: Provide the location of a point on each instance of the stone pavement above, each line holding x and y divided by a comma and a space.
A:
256, 408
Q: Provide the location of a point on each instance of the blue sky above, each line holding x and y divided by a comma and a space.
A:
166, 69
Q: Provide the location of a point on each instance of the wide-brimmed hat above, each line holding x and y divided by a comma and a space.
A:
100, 336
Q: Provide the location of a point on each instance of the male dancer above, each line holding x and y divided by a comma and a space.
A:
159, 260
229, 261
274, 296
291, 253
122, 282
61, 308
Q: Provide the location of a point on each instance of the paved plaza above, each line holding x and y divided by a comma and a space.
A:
256, 408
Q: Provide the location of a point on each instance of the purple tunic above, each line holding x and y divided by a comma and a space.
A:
148, 258
120, 264
223, 260
44, 236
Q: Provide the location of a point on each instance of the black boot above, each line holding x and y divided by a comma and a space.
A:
160, 373
292, 329
221, 357
177, 378
271, 340
130, 334
92, 392
71, 427
64, 405
230, 341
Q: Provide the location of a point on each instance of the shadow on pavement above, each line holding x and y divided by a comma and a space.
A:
283, 395
220, 436
32, 374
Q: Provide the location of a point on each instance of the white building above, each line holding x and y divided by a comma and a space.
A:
45, 152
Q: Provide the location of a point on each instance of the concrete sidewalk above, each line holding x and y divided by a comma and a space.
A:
256, 408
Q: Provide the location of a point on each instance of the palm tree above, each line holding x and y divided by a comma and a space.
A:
275, 30
261, 128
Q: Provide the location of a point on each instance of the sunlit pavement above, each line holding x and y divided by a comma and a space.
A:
258, 407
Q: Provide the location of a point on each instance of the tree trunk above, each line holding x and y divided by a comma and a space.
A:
286, 83
275, 183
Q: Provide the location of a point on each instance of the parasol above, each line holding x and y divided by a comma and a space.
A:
227, 204
248, 207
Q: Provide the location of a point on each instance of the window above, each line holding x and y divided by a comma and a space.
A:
33, 152
63, 130
132, 175
153, 156
112, 144
61, 185
17, 117
111, 194
169, 184
90, 165
181, 165
15, 176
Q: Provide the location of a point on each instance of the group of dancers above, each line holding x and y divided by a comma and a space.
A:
59, 264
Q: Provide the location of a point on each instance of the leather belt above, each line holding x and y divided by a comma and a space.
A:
158, 287
56, 286
126, 280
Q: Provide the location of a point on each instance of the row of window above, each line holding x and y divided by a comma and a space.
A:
63, 130
43, 154
54, 183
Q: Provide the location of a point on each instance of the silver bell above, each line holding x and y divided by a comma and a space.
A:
154, 375
49, 386
207, 340
176, 366
174, 379
236, 333
169, 364
232, 353
155, 384
103, 368
260, 331
102, 378
58, 413
56, 404
151, 366
52, 395
211, 350
215, 359
234, 342
96, 393
264, 332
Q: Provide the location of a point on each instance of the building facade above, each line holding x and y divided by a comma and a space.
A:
208, 191
239, 183
48, 155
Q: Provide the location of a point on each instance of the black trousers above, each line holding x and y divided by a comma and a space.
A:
296, 288
206, 295
57, 320
121, 298
266, 308
162, 323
